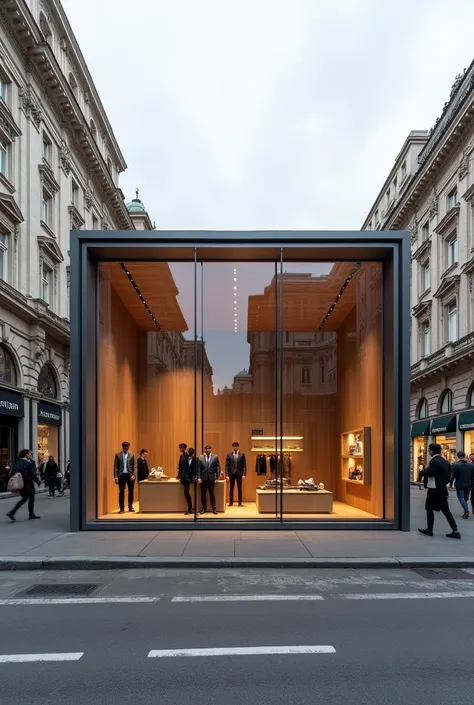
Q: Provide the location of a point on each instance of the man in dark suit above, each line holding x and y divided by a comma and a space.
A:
235, 471
436, 477
208, 472
463, 477
142, 466
124, 475
187, 473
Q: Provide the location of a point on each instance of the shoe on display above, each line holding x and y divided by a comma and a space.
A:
189, 511
426, 532
11, 516
122, 511
454, 535
231, 504
131, 509
214, 511
240, 504
203, 510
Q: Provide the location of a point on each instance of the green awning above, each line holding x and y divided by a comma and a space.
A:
466, 421
445, 424
420, 428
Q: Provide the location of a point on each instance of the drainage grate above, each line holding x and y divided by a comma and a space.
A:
443, 573
58, 589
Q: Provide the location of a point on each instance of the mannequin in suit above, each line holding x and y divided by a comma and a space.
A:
142, 466
187, 473
235, 471
208, 472
124, 475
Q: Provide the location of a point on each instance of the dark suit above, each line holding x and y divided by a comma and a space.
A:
437, 496
123, 473
142, 469
463, 476
208, 471
235, 470
187, 471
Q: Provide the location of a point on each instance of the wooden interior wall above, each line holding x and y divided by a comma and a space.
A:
118, 364
359, 382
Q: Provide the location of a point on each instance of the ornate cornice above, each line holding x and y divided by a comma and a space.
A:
49, 245
9, 207
448, 285
30, 104
423, 250
449, 220
77, 221
469, 194
47, 177
7, 122
422, 309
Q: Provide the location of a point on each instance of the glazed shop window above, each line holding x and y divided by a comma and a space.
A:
7, 367
423, 409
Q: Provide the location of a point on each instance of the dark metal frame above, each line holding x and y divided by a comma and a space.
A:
392, 248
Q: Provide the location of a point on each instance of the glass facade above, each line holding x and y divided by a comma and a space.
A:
269, 373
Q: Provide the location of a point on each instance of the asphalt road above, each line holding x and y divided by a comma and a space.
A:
395, 637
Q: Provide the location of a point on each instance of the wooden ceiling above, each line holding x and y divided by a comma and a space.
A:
306, 298
158, 288
306, 301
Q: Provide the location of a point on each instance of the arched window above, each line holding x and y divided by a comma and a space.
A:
422, 412
446, 402
47, 386
73, 84
7, 367
470, 397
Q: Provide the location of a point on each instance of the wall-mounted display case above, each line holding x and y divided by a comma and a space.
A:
356, 456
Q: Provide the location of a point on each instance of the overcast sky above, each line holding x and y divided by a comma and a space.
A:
268, 113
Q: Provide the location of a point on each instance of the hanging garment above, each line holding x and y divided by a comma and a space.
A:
261, 465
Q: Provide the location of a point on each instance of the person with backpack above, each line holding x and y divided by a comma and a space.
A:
25, 467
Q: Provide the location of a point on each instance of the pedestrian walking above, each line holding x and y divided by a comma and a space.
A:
462, 477
437, 474
26, 467
51, 472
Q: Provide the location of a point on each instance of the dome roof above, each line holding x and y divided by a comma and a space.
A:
136, 206
242, 373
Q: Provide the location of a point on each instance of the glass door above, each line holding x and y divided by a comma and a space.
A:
238, 389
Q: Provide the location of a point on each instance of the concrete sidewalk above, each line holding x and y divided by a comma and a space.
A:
47, 544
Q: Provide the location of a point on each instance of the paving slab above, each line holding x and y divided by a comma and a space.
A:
271, 549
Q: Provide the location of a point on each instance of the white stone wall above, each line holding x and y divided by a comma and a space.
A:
36, 333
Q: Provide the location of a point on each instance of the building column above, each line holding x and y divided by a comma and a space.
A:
34, 429
24, 428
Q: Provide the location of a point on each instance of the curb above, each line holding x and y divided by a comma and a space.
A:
128, 563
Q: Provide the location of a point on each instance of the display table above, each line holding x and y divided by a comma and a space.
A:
168, 496
295, 502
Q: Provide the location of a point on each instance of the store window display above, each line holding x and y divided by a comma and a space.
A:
213, 353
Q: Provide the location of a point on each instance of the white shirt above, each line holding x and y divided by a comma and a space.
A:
125, 461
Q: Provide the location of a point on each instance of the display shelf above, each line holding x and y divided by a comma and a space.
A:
356, 456
271, 444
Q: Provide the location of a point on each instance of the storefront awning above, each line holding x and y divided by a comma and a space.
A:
466, 421
445, 424
420, 428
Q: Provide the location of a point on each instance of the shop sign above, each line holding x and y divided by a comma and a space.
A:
49, 414
466, 421
11, 403
445, 424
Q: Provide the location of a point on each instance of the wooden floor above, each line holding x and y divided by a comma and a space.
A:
249, 511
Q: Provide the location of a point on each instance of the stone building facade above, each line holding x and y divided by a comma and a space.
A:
430, 192
59, 170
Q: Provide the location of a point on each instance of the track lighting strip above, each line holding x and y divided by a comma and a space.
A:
140, 295
336, 300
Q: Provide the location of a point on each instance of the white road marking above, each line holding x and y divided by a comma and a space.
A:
76, 600
31, 658
245, 598
402, 595
243, 651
